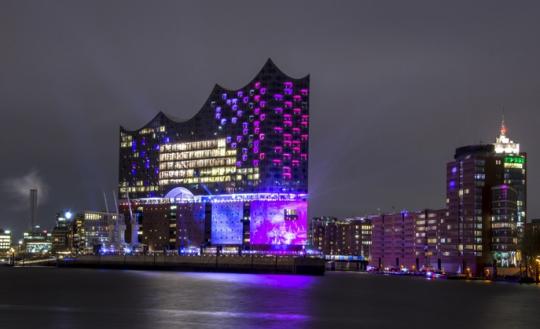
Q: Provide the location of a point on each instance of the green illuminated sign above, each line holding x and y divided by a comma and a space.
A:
514, 159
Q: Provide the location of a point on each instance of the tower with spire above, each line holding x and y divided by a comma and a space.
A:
503, 145
487, 203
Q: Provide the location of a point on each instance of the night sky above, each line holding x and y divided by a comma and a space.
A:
396, 86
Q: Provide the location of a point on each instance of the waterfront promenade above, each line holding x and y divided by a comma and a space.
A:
207, 263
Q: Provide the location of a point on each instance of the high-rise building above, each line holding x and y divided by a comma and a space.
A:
234, 175
486, 199
504, 225
62, 233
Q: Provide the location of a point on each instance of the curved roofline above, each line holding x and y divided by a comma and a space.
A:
217, 87
159, 114
269, 63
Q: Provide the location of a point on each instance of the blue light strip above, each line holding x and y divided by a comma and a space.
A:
219, 198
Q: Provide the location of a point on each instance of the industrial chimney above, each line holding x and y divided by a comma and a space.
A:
33, 208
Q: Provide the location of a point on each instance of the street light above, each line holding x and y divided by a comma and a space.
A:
68, 215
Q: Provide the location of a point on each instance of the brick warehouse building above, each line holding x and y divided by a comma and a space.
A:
341, 237
409, 239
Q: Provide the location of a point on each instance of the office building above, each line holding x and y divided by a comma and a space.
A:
100, 232
487, 203
37, 242
62, 234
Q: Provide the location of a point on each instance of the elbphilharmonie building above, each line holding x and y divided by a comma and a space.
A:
235, 175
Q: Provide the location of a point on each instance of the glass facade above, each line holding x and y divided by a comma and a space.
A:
254, 139
243, 143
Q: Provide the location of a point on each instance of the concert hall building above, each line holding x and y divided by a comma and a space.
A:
233, 177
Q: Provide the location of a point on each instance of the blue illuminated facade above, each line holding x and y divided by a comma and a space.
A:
227, 223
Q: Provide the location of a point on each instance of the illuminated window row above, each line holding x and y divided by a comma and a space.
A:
209, 179
247, 170
217, 171
139, 189
200, 145
146, 131
503, 225
201, 163
200, 154
513, 165
90, 216
126, 138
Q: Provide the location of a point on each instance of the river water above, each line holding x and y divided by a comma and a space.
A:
83, 298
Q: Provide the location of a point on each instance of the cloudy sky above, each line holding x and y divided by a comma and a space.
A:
396, 87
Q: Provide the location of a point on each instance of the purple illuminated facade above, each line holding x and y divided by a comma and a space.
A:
279, 223
243, 158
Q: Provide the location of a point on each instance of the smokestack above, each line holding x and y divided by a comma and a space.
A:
33, 207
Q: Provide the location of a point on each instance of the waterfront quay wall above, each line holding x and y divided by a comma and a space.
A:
207, 263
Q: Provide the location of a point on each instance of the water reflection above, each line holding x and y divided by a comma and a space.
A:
65, 298
228, 300
272, 280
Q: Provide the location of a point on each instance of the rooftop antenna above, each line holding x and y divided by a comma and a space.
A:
504, 130
106, 203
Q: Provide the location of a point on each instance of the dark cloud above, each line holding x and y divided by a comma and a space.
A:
17, 190
396, 86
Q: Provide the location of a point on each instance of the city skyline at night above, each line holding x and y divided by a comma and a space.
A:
373, 103
244, 164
